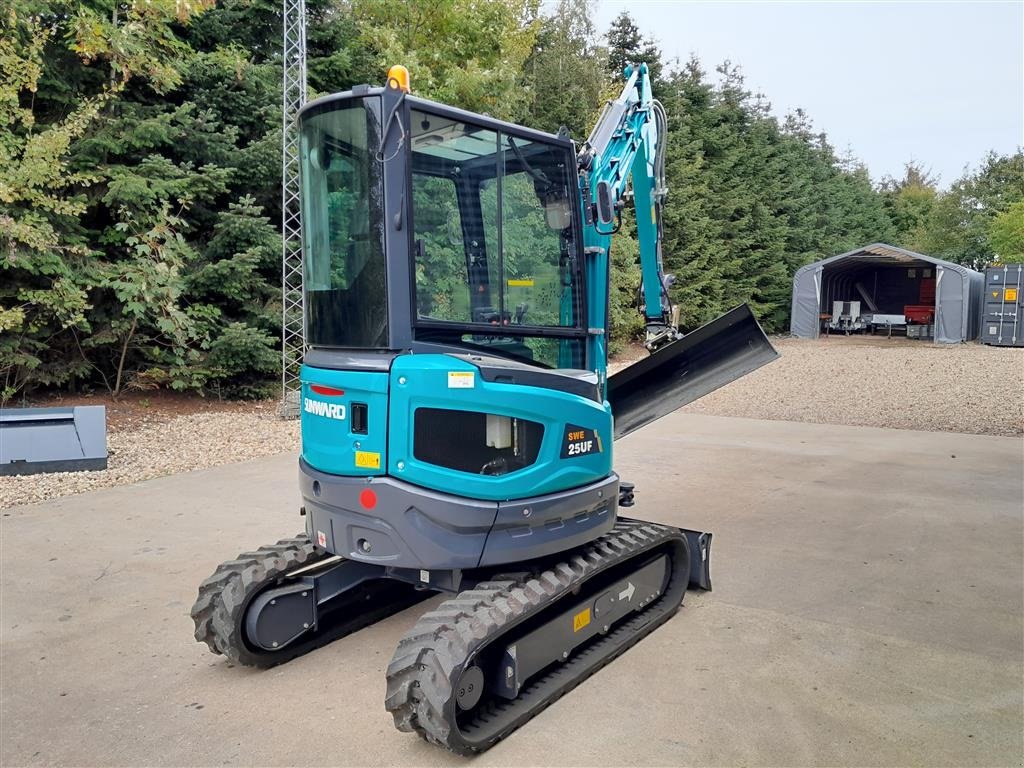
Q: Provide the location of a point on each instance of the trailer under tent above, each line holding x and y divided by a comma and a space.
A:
937, 299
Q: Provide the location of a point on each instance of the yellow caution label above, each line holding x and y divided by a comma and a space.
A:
526, 282
580, 620
1010, 294
368, 459
995, 294
460, 380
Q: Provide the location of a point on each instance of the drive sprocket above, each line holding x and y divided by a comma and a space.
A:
219, 609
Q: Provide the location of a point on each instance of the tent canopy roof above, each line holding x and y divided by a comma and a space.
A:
956, 300
883, 253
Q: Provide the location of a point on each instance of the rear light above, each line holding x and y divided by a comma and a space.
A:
320, 389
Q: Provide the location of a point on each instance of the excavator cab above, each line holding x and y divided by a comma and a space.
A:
426, 227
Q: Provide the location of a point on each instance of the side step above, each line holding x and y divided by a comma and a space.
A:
710, 357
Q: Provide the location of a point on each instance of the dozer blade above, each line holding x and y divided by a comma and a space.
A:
715, 354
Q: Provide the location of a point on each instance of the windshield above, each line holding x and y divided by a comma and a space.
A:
343, 227
495, 249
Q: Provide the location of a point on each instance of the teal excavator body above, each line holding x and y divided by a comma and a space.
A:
458, 419
457, 277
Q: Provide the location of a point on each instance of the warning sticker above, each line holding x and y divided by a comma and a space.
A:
1010, 294
461, 380
580, 620
321, 539
368, 459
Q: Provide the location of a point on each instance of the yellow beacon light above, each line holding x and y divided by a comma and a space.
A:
398, 77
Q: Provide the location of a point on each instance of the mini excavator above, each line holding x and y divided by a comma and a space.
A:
457, 416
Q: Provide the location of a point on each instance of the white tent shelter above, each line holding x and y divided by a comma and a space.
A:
890, 277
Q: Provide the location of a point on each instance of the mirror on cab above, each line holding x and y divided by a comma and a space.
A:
605, 204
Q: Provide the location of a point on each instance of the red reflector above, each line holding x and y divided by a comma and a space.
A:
368, 499
320, 389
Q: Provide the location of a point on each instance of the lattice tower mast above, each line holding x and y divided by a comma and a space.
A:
293, 332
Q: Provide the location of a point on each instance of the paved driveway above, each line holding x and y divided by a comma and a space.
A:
867, 610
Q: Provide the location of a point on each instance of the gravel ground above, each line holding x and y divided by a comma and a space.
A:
163, 447
896, 383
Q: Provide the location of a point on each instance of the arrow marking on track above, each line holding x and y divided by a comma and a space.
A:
627, 593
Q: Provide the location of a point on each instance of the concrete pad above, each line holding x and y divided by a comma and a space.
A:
868, 609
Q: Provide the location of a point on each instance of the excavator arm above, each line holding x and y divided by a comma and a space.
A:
623, 159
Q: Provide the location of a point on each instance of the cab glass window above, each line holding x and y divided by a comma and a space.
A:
494, 240
343, 226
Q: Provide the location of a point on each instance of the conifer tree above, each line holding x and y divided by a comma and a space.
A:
627, 46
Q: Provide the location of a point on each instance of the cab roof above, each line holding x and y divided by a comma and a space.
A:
326, 103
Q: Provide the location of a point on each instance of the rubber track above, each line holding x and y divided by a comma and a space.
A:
223, 598
225, 594
424, 672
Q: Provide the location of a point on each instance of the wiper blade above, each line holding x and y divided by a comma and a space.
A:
533, 172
